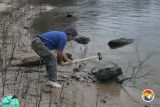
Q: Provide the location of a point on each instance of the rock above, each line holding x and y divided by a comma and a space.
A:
26, 27
69, 15
69, 56
119, 42
80, 76
107, 74
75, 70
103, 100
82, 40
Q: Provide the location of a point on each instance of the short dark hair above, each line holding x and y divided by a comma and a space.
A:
72, 31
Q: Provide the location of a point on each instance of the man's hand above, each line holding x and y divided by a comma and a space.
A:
70, 61
62, 55
62, 63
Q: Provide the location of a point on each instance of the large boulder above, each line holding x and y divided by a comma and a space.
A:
107, 71
119, 42
107, 74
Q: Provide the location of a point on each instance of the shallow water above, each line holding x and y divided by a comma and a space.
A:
105, 20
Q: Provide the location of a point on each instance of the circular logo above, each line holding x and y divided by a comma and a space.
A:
148, 95
10, 101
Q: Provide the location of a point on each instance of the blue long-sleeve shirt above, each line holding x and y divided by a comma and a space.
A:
54, 40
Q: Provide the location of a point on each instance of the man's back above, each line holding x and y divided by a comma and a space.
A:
54, 40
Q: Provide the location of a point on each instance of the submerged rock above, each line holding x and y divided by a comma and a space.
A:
119, 42
69, 15
107, 74
82, 40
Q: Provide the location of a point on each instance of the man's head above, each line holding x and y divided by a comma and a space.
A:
71, 33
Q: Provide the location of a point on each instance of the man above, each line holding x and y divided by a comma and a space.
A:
42, 44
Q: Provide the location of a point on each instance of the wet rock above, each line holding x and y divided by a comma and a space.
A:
26, 27
113, 44
76, 70
103, 100
82, 40
69, 15
69, 56
107, 74
80, 76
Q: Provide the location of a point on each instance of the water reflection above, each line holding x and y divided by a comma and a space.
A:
52, 20
54, 2
113, 89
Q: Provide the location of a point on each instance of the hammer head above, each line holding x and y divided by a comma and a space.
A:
99, 56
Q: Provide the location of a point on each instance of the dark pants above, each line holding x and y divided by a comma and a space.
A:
39, 47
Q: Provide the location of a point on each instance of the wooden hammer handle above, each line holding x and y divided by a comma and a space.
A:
83, 59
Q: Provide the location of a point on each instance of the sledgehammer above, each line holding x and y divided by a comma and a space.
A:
99, 56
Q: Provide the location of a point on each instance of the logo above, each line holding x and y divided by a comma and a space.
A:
10, 101
148, 95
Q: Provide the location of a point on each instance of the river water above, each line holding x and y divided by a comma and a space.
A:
105, 20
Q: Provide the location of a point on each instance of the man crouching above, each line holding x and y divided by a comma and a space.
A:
43, 44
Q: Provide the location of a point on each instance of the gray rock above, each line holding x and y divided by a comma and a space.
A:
82, 40
119, 42
103, 100
107, 74
69, 15
80, 76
